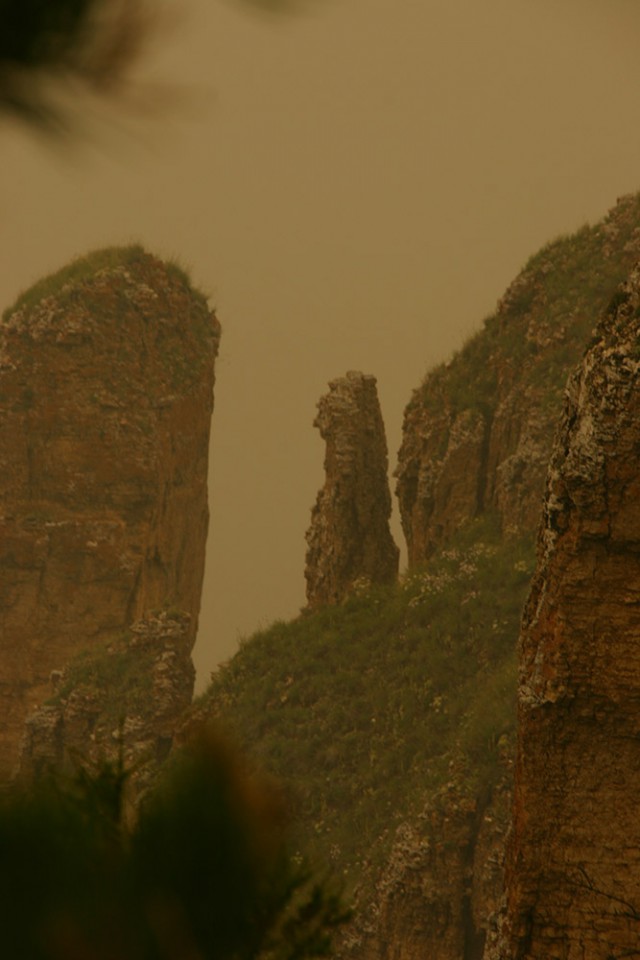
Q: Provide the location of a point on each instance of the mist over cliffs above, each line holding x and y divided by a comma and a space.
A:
388, 707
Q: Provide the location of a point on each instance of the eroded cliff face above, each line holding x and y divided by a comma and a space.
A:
106, 394
349, 537
573, 877
478, 433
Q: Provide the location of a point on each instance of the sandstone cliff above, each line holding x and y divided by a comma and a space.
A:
106, 393
573, 877
349, 538
477, 439
478, 432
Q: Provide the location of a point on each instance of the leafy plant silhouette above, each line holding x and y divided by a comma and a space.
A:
203, 872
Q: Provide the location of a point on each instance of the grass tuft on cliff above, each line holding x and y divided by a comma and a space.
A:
361, 709
85, 267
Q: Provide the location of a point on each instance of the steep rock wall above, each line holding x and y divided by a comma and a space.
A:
478, 433
106, 393
349, 537
573, 869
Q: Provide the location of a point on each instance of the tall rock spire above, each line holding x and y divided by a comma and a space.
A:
349, 537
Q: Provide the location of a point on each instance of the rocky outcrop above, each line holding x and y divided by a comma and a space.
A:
573, 869
442, 883
123, 701
478, 433
349, 539
106, 393
440, 480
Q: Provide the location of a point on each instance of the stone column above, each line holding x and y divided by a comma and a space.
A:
349, 538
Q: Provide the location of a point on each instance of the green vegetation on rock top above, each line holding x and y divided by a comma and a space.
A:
79, 269
83, 268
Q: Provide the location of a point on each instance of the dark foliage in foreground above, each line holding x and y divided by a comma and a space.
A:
93, 41
203, 873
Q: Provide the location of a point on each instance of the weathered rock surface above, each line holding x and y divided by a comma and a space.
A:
349, 538
442, 885
126, 700
106, 393
478, 433
573, 869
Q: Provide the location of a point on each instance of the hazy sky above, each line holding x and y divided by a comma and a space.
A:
355, 186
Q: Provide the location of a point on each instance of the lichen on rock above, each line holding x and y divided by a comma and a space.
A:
349, 540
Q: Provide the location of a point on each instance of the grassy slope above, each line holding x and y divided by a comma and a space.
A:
361, 708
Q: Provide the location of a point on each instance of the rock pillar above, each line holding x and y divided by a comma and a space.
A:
349, 538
